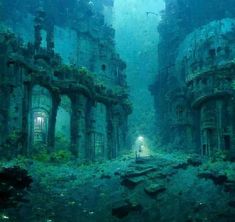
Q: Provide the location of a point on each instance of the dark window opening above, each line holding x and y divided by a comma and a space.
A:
227, 142
204, 81
219, 49
103, 67
212, 52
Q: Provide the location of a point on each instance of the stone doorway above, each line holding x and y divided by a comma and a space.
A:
40, 127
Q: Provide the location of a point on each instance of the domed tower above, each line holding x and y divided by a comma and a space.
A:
206, 61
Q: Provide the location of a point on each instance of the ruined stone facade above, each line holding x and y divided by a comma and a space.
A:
62, 84
194, 89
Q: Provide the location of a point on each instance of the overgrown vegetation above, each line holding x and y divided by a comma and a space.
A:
9, 148
220, 155
58, 156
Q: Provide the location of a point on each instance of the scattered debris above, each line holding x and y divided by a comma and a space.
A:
154, 189
123, 208
132, 182
217, 179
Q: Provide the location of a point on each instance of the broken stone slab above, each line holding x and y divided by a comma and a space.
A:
167, 172
143, 160
155, 175
121, 209
145, 167
139, 167
132, 182
137, 173
182, 165
219, 179
117, 173
154, 189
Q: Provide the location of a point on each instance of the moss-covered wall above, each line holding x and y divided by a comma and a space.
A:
198, 67
35, 81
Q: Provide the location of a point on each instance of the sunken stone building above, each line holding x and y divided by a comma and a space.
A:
194, 90
62, 84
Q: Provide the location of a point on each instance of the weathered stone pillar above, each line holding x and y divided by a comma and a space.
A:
126, 142
4, 92
82, 127
78, 126
27, 119
123, 131
52, 122
110, 139
74, 125
232, 151
219, 111
112, 131
90, 140
116, 145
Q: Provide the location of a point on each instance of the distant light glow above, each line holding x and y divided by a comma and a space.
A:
140, 139
39, 119
4, 217
141, 148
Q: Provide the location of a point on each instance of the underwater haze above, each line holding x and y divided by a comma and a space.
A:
117, 110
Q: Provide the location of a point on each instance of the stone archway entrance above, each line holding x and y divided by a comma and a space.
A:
40, 116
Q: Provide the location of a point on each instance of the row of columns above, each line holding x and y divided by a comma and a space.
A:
83, 126
213, 137
83, 132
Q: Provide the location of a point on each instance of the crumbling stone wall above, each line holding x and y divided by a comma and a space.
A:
29, 65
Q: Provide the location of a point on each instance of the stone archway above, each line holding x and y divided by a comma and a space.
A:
40, 114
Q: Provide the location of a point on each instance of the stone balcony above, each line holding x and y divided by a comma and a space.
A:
222, 69
202, 95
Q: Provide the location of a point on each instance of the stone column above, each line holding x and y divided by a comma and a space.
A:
90, 131
116, 145
52, 122
78, 126
112, 131
232, 152
74, 125
110, 139
82, 127
123, 131
219, 111
27, 119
